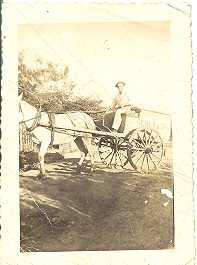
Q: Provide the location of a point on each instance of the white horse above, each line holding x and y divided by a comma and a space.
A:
42, 131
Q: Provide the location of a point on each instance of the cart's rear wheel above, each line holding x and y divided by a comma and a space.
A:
113, 152
145, 149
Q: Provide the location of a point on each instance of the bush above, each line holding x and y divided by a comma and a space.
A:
29, 160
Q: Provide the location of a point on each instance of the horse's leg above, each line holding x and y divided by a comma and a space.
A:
87, 140
41, 154
80, 144
79, 166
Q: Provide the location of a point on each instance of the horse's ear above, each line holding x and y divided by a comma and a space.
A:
20, 97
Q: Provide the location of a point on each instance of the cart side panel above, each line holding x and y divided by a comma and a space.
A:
159, 121
132, 123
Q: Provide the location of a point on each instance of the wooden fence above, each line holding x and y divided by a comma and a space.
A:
25, 141
26, 144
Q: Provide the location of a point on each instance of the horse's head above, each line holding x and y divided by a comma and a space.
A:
21, 116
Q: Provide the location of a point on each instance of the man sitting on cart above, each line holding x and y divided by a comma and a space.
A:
120, 104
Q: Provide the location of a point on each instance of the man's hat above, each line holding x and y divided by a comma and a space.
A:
124, 84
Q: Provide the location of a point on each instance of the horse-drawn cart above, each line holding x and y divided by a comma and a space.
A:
140, 140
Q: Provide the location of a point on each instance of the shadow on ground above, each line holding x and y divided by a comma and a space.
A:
111, 210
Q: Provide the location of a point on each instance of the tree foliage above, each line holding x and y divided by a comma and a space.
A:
48, 86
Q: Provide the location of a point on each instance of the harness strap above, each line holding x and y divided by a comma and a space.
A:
71, 120
36, 121
85, 121
76, 134
52, 126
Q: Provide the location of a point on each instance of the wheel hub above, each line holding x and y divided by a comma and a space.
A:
148, 150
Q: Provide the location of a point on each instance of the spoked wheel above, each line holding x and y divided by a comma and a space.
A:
145, 149
113, 152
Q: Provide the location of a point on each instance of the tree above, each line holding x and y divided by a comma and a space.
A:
48, 86
45, 84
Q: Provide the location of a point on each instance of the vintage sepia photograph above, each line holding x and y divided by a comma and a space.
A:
96, 169
97, 124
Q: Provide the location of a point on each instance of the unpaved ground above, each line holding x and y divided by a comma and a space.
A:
111, 210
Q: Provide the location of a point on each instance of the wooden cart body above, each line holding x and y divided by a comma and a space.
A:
137, 118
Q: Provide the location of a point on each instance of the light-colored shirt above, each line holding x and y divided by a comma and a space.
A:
120, 100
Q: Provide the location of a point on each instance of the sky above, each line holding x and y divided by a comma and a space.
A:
100, 54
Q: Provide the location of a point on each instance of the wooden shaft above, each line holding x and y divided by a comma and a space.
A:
93, 132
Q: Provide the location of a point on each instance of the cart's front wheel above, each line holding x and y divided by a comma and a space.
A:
113, 152
145, 149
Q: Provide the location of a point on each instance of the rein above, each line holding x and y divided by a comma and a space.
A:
95, 112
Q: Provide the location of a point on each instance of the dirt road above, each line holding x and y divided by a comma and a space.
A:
111, 210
